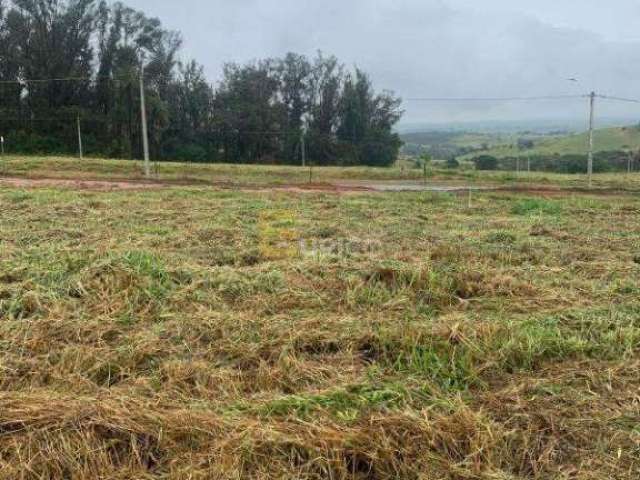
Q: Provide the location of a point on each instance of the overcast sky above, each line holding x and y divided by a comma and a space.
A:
434, 48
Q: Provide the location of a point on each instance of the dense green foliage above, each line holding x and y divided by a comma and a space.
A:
452, 162
486, 162
259, 112
603, 162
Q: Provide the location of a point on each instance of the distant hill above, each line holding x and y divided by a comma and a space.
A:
608, 139
541, 126
459, 139
443, 144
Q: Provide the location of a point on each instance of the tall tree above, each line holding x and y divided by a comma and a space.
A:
326, 82
251, 115
9, 64
295, 86
366, 122
62, 58
191, 135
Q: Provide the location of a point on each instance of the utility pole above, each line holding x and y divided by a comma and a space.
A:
143, 116
592, 102
79, 137
303, 147
630, 156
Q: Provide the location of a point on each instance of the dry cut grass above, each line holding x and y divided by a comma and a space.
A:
192, 334
260, 176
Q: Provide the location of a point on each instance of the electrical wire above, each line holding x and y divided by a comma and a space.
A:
619, 99
493, 99
64, 79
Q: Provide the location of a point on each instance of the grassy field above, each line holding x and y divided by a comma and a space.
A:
458, 139
607, 139
92, 168
189, 333
251, 176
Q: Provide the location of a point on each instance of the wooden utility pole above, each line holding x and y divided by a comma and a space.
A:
592, 103
81, 153
143, 116
303, 147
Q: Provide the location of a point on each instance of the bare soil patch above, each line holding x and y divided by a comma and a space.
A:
101, 185
338, 187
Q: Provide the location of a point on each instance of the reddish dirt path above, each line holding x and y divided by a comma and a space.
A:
102, 185
333, 187
115, 185
337, 187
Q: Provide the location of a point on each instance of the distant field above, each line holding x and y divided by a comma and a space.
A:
604, 140
92, 168
459, 139
239, 176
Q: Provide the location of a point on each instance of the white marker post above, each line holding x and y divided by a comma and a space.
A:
143, 117
592, 102
2, 152
79, 138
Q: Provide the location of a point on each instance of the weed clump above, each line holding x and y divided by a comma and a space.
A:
237, 286
134, 283
501, 237
394, 280
533, 206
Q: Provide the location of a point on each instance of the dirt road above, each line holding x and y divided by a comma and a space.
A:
337, 187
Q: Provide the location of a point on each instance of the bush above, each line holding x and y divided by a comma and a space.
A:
486, 162
191, 153
453, 163
536, 206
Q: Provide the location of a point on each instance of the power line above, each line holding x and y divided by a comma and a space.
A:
494, 99
619, 99
64, 79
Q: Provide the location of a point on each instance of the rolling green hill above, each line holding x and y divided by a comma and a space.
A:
608, 139
457, 139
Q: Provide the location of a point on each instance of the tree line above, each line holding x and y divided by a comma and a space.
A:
603, 162
84, 59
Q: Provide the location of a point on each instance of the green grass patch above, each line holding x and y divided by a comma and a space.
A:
533, 206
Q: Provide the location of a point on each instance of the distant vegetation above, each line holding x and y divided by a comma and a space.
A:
614, 161
605, 140
447, 144
486, 162
616, 149
259, 112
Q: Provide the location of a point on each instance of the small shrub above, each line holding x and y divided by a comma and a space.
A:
501, 237
452, 163
536, 205
486, 162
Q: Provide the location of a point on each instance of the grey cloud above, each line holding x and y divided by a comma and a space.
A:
430, 47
